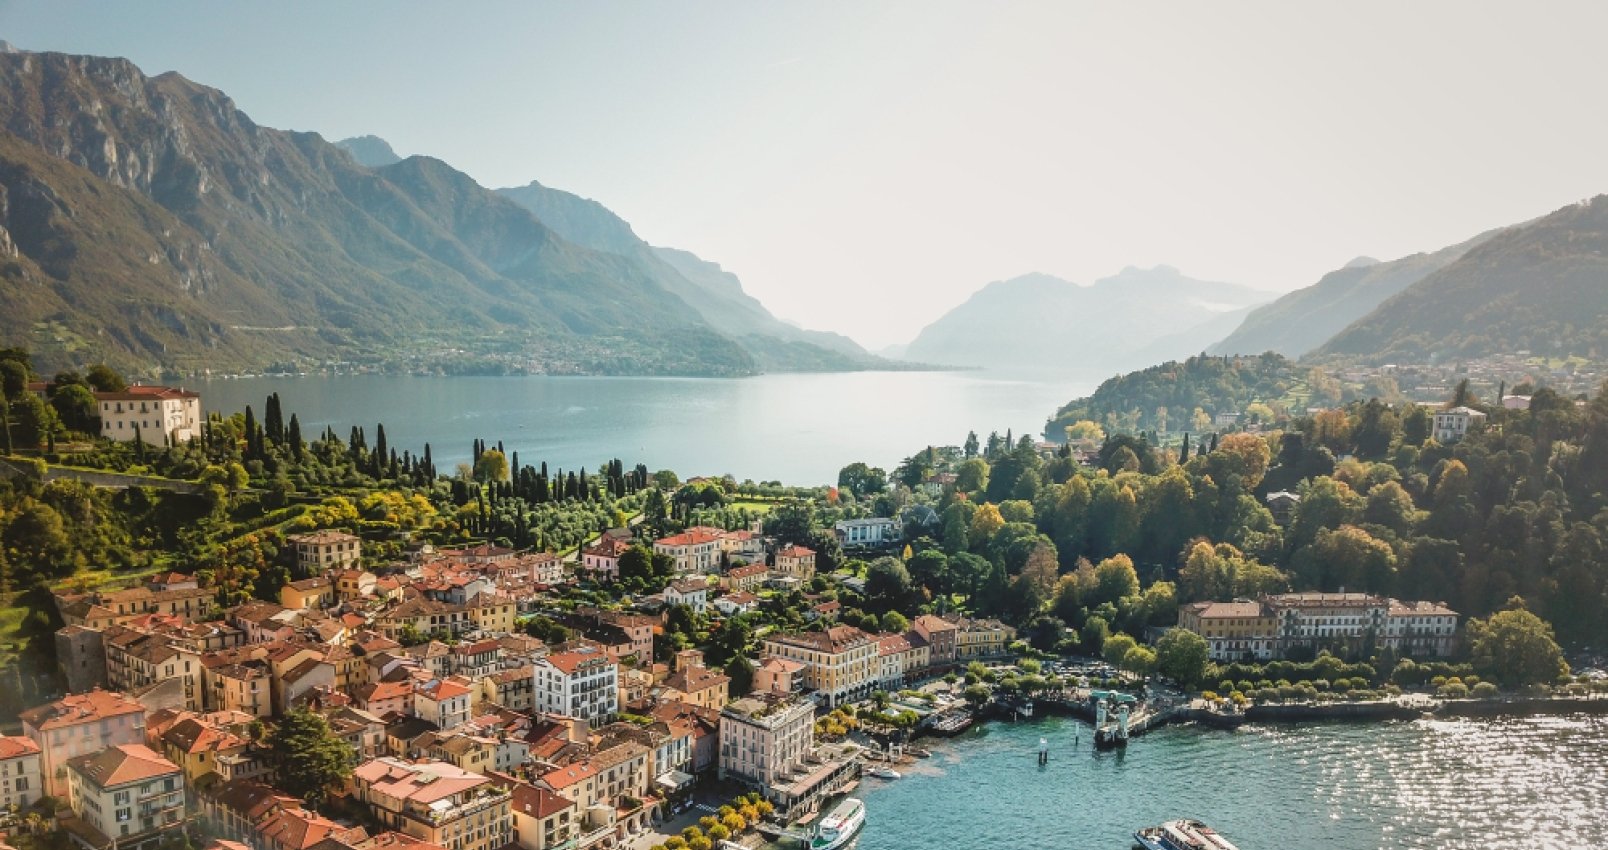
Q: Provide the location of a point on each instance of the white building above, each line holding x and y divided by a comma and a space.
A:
155, 414
866, 532
691, 592
765, 738
583, 684
125, 797
21, 782
1420, 628
696, 550
1452, 424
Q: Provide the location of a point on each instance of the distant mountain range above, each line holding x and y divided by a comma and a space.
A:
148, 223
1039, 323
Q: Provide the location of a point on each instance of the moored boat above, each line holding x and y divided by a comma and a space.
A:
883, 773
1182, 834
839, 826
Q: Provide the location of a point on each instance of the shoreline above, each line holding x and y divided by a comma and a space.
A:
1300, 713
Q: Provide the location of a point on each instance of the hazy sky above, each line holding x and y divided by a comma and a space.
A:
864, 166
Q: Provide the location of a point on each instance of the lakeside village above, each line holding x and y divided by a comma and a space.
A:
243, 638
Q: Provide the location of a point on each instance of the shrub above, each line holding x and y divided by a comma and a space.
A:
1484, 690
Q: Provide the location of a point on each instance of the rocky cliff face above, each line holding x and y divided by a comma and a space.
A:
153, 224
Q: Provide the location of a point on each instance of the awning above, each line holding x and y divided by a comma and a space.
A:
674, 780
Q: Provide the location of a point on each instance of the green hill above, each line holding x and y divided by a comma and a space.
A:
1539, 287
1212, 384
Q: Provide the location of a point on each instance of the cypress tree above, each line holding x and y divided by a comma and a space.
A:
380, 448
296, 445
1214, 441
251, 428
273, 420
1183, 454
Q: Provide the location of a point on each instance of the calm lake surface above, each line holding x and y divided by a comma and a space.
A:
799, 429
1536, 783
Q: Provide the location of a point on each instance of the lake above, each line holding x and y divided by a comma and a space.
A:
1535, 783
796, 428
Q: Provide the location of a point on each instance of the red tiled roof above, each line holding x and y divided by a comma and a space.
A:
122, 764
12, 746
74, 709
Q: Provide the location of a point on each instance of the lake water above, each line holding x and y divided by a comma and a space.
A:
1533, 783
799, 429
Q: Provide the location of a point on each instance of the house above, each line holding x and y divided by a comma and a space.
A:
435, 802
543, 820
602, 559
695, 684
316, 592
1234, 631
444, 702
197, 746
691, 592
778, 676
386, 698
763, 739
703, 724
80, 724
866, 533
1282, 504
353, 584
941, 636
828, 610
696, 550
736, 602
151, 414
796, 561
745, 577
840, 663
513, 688
125, 796
1270, 627
1452, 424
581, 683
21, 778
320, 551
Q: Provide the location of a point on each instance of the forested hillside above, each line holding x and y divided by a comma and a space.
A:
1186, 396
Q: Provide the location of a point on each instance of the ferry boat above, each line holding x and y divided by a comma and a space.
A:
883, 773
1181, 834
839, 826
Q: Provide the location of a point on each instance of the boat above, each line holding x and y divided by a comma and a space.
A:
1181, 834
1025, 708
919, 752
839, 826
883, 773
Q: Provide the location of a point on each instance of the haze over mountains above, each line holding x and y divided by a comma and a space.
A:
1037, 323
147, 222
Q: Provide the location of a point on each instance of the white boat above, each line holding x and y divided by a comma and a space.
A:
884, 773
1182, 835
839, 826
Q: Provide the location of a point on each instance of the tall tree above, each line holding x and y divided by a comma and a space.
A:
308, 760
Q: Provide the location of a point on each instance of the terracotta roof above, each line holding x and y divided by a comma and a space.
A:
12, 746
423, 782
795, 551
74, 709
747, 570
569, 662
835, 639
328, 535
607, 547
147, 392
538, 802
690, 537
689, 585
121, 765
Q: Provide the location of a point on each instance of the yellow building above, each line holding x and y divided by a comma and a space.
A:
1233, 630
436, 802
841, 664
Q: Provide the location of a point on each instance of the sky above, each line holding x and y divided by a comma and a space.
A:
865, 166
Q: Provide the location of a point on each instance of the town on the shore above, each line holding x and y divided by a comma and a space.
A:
355, 652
